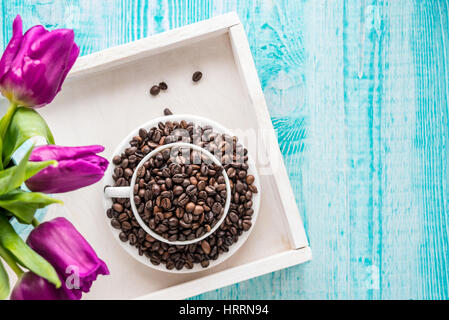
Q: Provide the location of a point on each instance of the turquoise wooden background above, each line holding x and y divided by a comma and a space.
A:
358, 92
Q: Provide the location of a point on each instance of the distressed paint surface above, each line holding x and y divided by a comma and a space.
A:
358, 92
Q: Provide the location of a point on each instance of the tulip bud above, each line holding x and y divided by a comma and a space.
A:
77, 167
76, 263
34, 65
32, 287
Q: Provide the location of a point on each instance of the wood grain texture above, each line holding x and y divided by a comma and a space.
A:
358, 92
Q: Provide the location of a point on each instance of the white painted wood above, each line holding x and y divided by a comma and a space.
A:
233, 275
106, 97
249, 75
153, 45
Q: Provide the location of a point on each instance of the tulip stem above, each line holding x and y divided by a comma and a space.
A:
10, 261
7, 119
35, 222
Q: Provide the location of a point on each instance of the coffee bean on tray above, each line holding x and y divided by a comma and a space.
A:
167, 112
181, 200
197, 76
154, 91
163, 86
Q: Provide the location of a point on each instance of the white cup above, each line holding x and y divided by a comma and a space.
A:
128, 192
107, 201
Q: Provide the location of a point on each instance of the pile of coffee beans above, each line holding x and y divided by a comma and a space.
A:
180, 193
233, 157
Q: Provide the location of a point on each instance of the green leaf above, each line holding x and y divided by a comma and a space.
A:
4, 282
25, 124
13, 177
24, 255
23, 205
1, 150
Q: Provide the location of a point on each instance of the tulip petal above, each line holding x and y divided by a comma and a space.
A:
29, 38
12, 48
71, 61
44, 50
63, 153
13, 81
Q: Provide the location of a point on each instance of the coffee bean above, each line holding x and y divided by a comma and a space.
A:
123, 217
167, 112
115, 223
154, 91
188, 264
163, 86
117, 207
155, 189
216, 208
184, 224
156, 138
199, 232
126, 226
177, 190
128, 172
130, 151
190, 207
246, 225
170, 265
205, 263
124, 163
169, 183
166, 203
110, 213
191, 190
198, 210
166, 194
197, 76
173, 222
210, 190
117, 160
253, 188
201, 185
178, 178
233, 217
132, 239
183, 199
205, 246
239, 187
231, 173
123, 237
250, 179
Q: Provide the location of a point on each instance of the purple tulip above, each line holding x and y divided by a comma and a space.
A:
32, 287
34, 65
77, 167
76, 263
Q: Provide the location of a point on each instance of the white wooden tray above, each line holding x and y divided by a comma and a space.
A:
106, 96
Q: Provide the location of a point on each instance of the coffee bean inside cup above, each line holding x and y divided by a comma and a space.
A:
185, 187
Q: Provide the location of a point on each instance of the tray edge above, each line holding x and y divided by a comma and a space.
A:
233, 275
